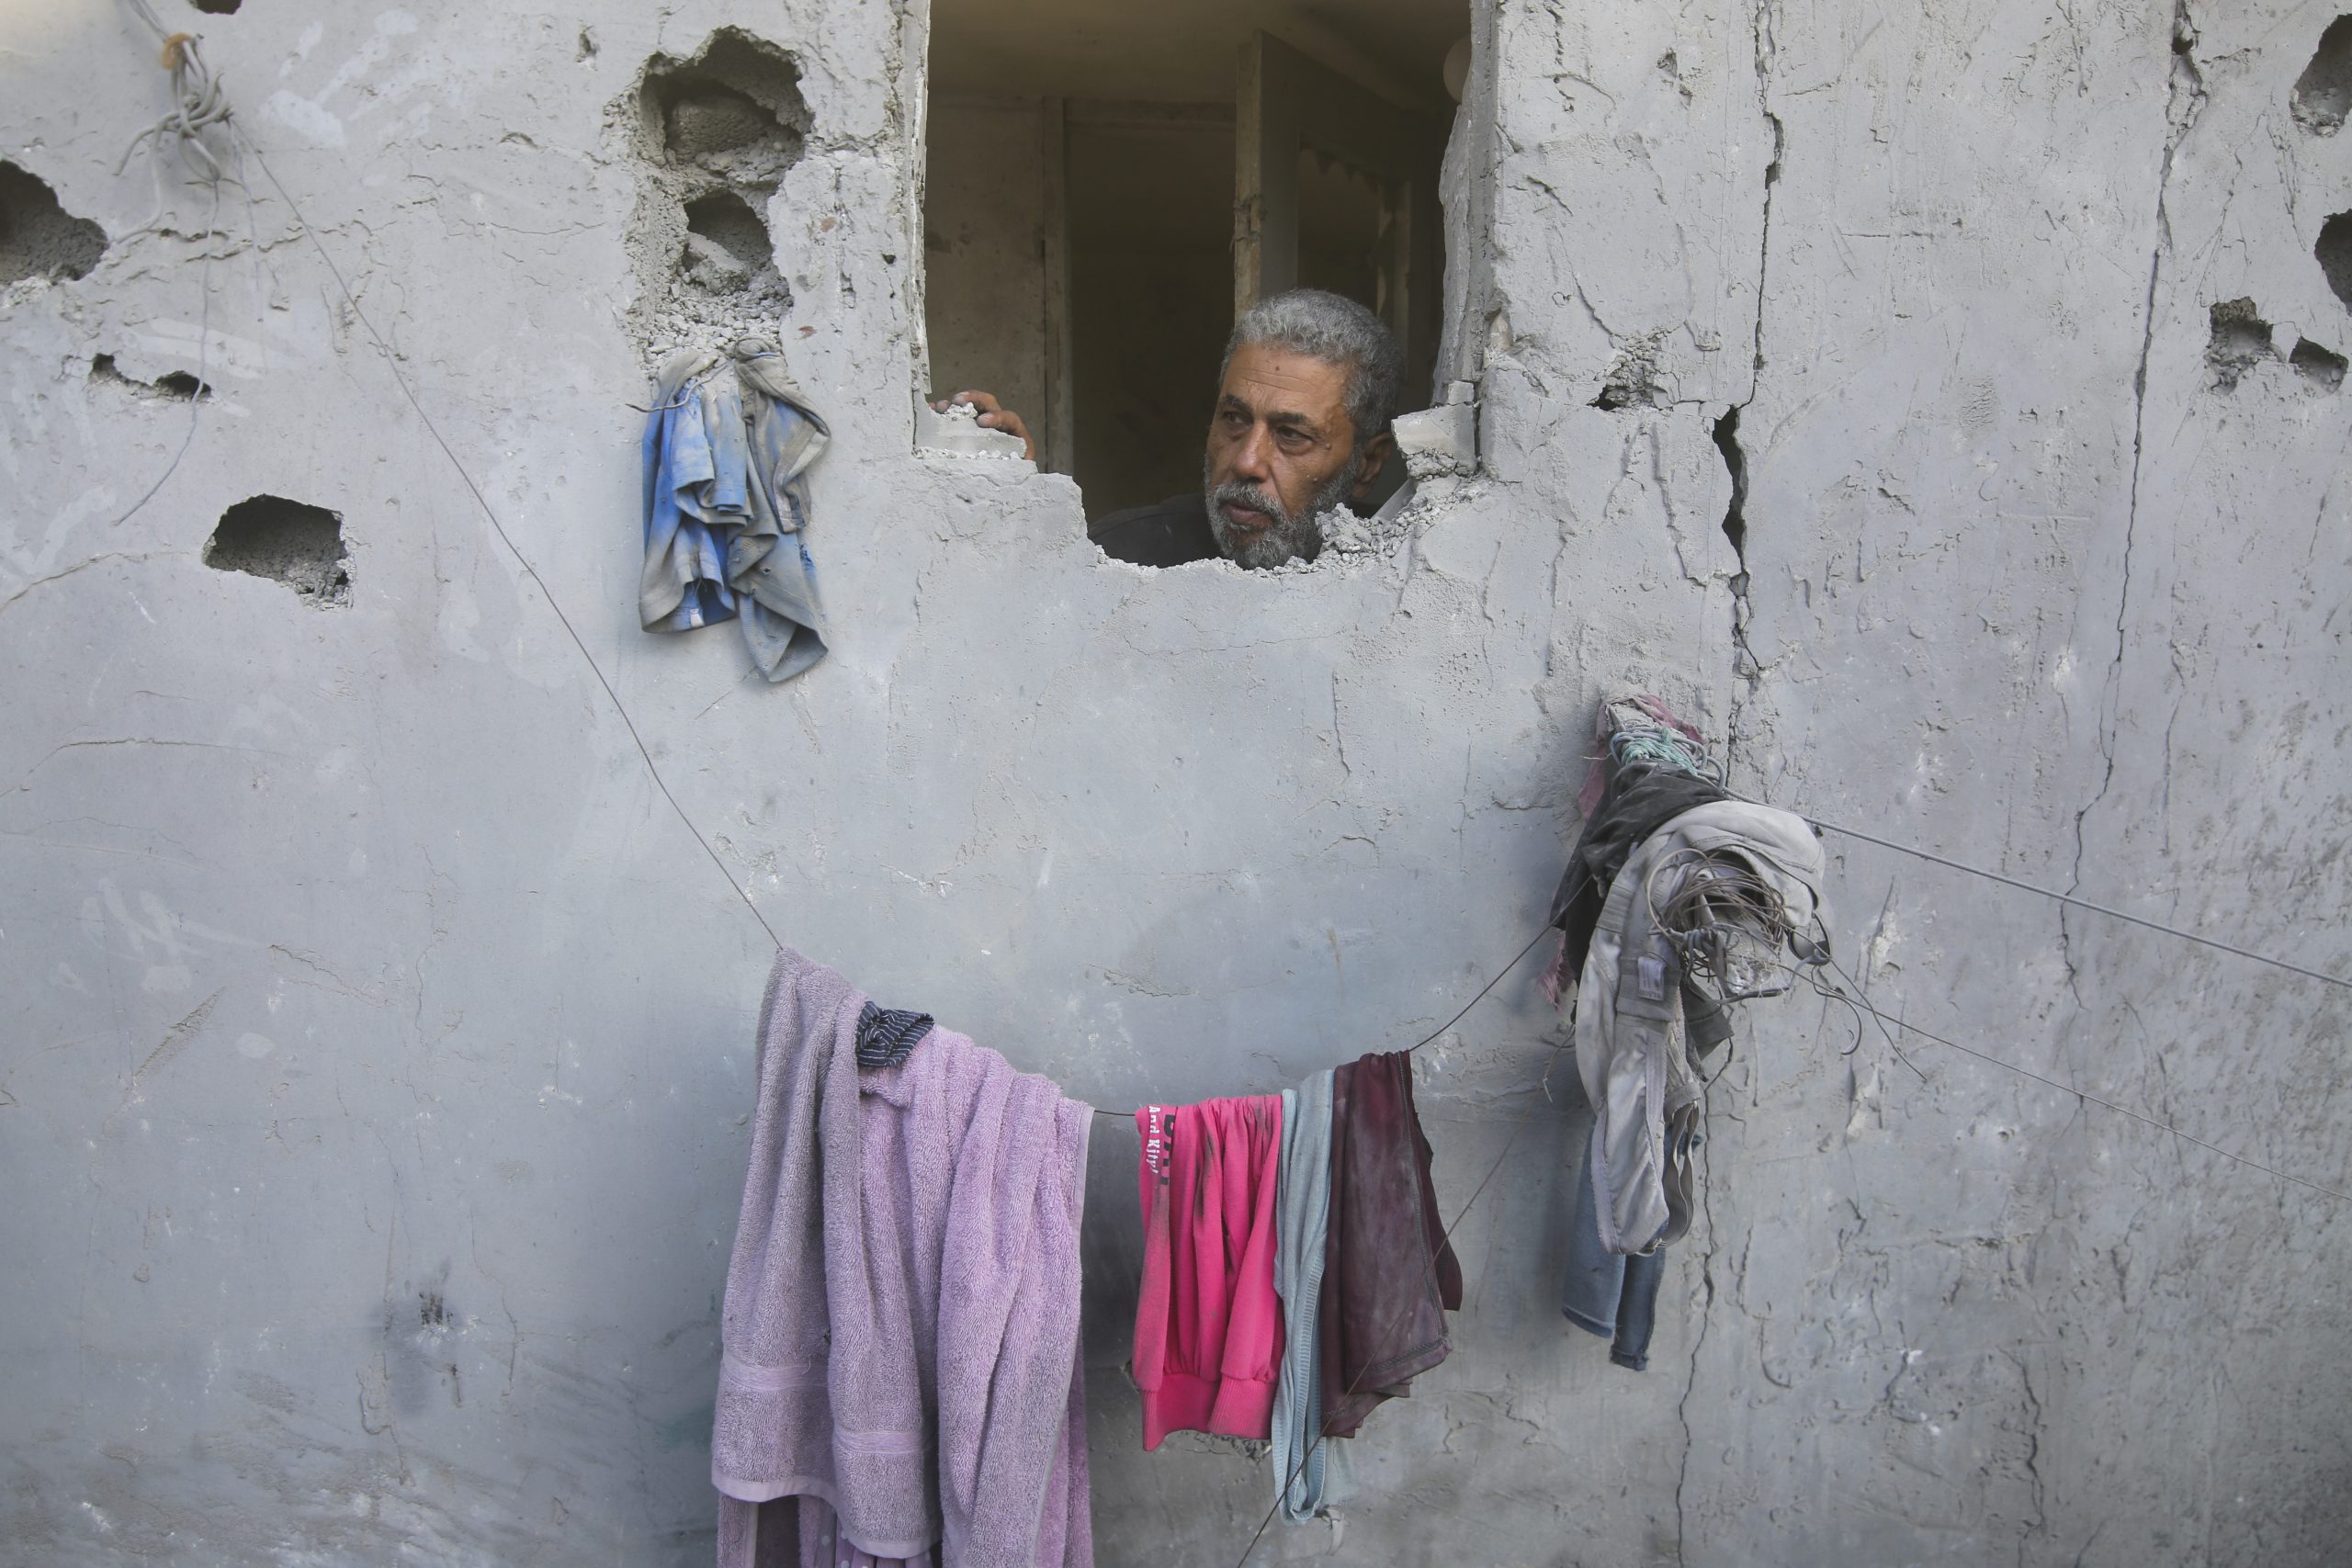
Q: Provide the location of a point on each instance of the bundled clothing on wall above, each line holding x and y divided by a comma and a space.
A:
1631, 792
726, 458
900, 1337
1637, 1043
1679, 900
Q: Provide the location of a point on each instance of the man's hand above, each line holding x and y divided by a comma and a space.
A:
994, 416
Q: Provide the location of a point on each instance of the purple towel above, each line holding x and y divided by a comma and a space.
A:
919, 1415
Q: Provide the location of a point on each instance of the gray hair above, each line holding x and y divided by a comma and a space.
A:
1337, 331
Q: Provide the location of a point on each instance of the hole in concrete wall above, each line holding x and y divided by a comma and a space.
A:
38, 237
2324, 368
734, 109
713, 136
735, 106
217, 7
2240, 340
177, 386
2335, 253
2323, 92
728, 250
709, 119
1633, 378
1088, 225
1736, 465
1671, 67
285, 541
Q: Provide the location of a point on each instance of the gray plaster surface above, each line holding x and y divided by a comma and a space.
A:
376, 1047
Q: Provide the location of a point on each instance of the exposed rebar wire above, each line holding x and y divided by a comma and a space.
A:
203, 367
199, 103
199, 106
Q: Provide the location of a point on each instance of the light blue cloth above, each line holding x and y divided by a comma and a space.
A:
1302, 1467
725, 460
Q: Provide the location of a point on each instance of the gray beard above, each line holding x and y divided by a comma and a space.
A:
1289, 537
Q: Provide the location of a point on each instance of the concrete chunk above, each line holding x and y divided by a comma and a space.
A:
959, 434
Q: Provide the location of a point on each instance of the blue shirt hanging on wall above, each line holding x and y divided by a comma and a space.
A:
727, 504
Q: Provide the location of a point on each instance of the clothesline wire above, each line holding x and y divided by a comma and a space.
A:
1433, 1034
654, 771
2052, 893
490, 514
1841, 994
240, 144
1862, 1006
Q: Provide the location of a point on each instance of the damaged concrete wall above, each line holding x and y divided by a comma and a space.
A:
2039, 577
376, 1044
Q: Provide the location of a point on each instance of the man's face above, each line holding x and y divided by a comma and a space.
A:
1281, 452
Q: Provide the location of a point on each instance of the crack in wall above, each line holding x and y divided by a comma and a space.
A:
2186, 102
1725, 430
1746, 666
1715, 1505
1697, 1344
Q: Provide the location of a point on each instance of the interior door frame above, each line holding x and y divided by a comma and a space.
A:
1286, 102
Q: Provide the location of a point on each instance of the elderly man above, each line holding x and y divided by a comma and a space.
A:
1301, 426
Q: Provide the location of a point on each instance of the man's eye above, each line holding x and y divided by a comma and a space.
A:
1295, 440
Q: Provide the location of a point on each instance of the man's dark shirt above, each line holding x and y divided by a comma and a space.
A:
1166, 533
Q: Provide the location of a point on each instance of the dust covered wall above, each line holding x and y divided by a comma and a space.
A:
377, 1045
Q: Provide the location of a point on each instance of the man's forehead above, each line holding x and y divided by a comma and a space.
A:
1260, 375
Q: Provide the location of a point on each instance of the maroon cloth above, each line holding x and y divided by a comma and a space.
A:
1389, 1275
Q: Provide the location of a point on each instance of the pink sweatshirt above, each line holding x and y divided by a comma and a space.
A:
1208, 1323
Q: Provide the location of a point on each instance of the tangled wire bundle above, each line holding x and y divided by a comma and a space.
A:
198, 103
